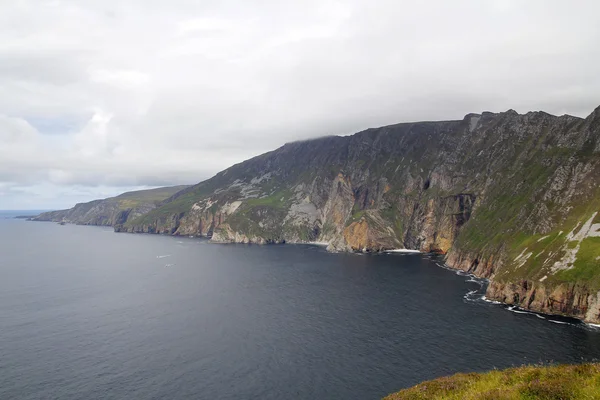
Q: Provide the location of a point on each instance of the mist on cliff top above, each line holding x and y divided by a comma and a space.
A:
101, 97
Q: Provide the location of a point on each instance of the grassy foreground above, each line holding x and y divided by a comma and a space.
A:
562, 382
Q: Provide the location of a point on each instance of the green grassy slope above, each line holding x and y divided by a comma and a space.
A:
562, 382
137, 197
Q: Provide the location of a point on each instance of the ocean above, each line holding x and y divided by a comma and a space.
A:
86, 313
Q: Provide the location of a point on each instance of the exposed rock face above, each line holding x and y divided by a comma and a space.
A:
497, 193
112, 211
570, 299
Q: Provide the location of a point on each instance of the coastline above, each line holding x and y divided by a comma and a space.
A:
481, 296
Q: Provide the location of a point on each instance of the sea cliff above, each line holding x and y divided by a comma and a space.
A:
505, 196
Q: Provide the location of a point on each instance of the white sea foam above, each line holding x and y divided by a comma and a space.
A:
559, 322
403, 251
319, 243
517, 310
169, 265
163, 256
474, 295
490, 301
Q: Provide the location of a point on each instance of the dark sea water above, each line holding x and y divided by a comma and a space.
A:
86, 313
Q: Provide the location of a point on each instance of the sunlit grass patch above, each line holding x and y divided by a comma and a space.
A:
561, 382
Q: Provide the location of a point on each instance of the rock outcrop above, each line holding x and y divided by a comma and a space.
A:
510, 197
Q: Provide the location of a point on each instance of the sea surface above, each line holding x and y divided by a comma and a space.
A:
86, 313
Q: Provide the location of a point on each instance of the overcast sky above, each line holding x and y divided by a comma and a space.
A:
102, 96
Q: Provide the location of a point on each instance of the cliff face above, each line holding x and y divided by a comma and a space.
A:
112, 211
506, 196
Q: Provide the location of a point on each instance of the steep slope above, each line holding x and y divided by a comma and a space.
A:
510, 197
114, 210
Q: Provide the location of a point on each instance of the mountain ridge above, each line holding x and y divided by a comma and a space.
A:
481, 190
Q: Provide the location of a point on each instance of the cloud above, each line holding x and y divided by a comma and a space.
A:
104, 96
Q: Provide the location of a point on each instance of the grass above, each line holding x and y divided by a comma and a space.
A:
179, 205
260, 216
133, 199
150, 195
390, 214
559, 382
551, 249
498, 221
248, 226
587, 264
355, 217
176, 206
275, 200
502, 225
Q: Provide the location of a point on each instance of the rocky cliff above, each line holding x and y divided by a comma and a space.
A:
113, 210
510, 197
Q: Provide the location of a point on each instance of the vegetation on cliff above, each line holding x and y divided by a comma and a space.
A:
113, 210
563, 382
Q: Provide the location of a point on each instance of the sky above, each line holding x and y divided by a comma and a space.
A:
98, 97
